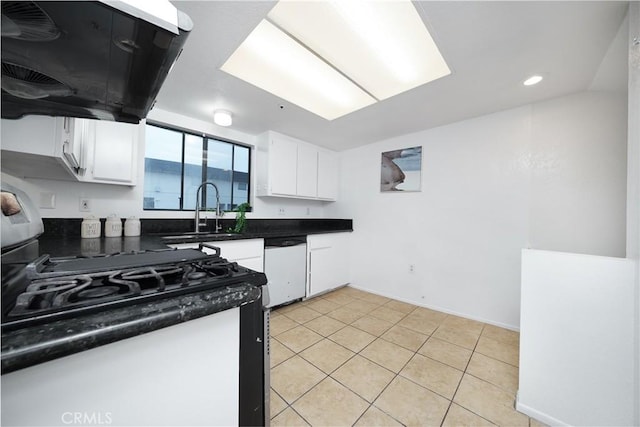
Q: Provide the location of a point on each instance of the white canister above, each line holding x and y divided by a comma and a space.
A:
90, 228
132, 227
113, 226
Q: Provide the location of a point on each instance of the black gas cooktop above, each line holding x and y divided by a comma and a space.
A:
49, 289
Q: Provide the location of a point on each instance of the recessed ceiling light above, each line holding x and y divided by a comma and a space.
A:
335, 57
222, 118
532, 80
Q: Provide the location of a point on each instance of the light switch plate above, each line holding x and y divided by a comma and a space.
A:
47, 201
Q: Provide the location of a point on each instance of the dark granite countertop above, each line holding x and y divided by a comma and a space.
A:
37, 344
66, 246
62, 236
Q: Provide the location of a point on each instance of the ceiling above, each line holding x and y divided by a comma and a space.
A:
491, 47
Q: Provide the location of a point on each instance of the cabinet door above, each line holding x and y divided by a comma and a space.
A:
30, 134
328, 262
321, 278
307, 176
327, 176
73, 135
114, 151
255, 263
247, 253
32, 147
282, 166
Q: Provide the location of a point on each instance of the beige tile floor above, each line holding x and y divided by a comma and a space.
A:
354, 358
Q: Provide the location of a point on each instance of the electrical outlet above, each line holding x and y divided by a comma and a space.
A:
308, 211
412, 268
280, 211
85, 205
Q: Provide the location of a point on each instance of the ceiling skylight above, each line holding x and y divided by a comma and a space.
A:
335, 57
273, 61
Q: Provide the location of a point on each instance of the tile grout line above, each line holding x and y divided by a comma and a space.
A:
461, 378
396, 375
438, 361
271, 391
385, 387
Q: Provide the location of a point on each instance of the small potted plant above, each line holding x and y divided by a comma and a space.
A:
241, 220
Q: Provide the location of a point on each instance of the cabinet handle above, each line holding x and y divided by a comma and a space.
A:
81, 151
69, 155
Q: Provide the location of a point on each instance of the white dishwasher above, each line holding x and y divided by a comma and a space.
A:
285, 264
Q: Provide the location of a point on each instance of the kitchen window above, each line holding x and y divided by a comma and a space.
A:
177, 162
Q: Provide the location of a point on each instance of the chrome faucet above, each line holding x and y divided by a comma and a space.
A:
199, 224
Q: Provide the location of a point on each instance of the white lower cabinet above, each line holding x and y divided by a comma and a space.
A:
327, 262
248, 253
327, 258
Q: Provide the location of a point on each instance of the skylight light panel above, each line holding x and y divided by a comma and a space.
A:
381, 45
336, 57
273, 61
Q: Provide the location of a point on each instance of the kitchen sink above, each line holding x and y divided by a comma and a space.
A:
197, 236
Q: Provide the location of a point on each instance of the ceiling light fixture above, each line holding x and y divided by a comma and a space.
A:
336, 57
383, 46
275, 62
222, 118
533, 80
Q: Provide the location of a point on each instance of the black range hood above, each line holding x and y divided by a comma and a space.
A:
101, 60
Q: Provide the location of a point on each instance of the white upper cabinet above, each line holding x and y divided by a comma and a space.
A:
30, 134
112, 149
282, 158
287, 167
34, 147
307, 173
69, 139
70, 149
327, 175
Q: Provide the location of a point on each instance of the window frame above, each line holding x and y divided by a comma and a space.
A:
205, 145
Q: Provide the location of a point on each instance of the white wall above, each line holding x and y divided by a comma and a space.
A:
490, 187
633, 174
127, 201
577, 339
578, 174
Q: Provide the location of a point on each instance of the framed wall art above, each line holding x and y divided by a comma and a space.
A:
401, 170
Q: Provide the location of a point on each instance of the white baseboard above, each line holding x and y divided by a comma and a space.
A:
540, 416
433, 307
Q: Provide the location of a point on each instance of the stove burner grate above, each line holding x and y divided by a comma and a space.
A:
62, 292
49, 295
98, 292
